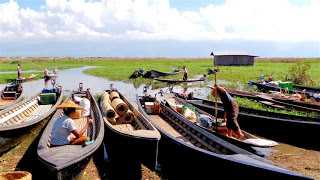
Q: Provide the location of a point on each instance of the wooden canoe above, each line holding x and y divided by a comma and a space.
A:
32, 76
278, 102
136, 74
246, 142
10, 95
130, 144
155, 74
266, 88
24, 115
307, 88
271, 125
181, 80
187, 151
66, 162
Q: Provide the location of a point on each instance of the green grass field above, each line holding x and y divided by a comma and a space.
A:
121, 69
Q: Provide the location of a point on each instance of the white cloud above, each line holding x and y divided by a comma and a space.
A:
155, 19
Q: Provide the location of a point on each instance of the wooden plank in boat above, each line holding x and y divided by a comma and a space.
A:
5, 102
124, 127
168, 128
41, 110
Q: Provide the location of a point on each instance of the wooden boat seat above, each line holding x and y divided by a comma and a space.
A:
168, 128
39, 111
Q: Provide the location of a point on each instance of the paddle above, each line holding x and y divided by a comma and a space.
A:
215, 71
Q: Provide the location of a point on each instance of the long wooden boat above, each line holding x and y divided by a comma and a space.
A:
280, 103
24, 115
275, 102
11, 95
266, 88
295, 130
246, 143
32, 76
130, 141
155, 74
187, 151
181, 80
256, 96
136, 74
307, 88
248, 111
67, 161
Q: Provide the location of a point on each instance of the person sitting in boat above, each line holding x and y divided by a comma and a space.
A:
185, 73
231, 110
85, 103
65, 125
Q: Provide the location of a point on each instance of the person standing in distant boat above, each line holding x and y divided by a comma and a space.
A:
185, 73
55, 70
46, 73
19, 71
231, 110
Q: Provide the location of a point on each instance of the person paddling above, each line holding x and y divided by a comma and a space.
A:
231, 110
185, 73
19, 71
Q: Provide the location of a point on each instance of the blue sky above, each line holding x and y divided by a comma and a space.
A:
159, 28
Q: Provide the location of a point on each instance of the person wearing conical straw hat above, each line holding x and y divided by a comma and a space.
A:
231, 109
65, 125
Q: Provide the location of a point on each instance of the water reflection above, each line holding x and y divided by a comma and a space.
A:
70, 79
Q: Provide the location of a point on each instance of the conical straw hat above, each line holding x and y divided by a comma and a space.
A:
69, 104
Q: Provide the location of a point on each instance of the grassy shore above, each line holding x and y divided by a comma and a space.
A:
122, 68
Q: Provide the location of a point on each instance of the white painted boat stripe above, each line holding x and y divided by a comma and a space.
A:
18, 112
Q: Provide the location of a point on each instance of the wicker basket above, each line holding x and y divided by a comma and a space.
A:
21, 175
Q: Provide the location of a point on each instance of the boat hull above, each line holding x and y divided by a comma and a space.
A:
15, 130
295, 132
266, 88
68, 161
127, 153
131, 147
19, 98
155, 74
180, 160
179, 80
